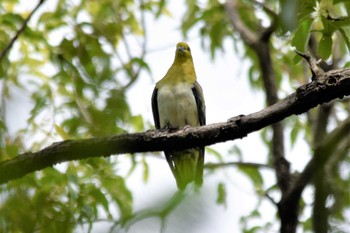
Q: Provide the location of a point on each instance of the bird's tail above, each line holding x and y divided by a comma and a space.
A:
187, 166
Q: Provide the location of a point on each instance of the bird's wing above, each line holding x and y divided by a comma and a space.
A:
155, 108
198, 95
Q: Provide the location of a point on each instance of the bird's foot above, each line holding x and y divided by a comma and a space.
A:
169, 129
186, 128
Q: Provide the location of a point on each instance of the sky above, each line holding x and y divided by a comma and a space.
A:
227, 94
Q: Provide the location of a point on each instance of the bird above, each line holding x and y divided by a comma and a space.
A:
177, 103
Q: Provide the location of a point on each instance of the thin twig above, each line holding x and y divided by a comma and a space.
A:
247, 35
329, 144
268, 11
244, 164
315, 69
160, 211
136, 72
20, 31
3, 111
271, 199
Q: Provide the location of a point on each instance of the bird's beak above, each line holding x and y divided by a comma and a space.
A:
181, 49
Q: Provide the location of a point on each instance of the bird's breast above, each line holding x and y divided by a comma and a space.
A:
177, 106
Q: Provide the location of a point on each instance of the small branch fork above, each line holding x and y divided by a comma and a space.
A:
313, 64
20, 31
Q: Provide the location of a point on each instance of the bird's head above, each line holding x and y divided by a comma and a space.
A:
183, 52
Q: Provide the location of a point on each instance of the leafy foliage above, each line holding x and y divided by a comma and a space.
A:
75, 63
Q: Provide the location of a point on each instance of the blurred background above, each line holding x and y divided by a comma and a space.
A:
83, 68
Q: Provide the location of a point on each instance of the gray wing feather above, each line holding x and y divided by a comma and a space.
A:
155, 108
198, 95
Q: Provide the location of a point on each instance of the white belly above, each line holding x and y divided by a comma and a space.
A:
177, 106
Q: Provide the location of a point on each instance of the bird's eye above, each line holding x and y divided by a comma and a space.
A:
188, 48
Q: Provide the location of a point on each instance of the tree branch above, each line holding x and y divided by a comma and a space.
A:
313, 64
323, 152
330, 85
20, 31
320, 213
248, 36
243, 164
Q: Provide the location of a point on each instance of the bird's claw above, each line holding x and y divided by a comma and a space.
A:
186, 128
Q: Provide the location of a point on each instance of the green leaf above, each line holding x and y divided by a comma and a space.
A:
307, 225
137, 123
34, 35
288, 14
254, 78
294, 132
346, 38
254, 175
11, 20
60, 131
221, 197
100, 198
161, 6
325, 47
141, 63
120, 194
40, 98
253, 229
191, 17
235, 150
301, 35
215, 153
2, 125
145, 170
132, 168
305, 9
11, 150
